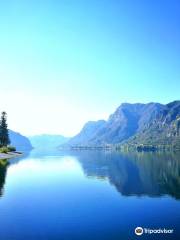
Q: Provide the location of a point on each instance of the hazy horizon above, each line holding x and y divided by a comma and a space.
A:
65, 63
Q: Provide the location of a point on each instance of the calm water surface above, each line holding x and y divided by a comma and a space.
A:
89, 195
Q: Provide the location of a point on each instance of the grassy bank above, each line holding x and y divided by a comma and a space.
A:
8, 152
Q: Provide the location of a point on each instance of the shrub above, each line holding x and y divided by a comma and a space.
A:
4, 150
11, 149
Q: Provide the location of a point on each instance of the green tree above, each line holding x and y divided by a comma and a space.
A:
4, 135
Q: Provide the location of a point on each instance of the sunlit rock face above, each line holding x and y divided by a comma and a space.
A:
151, 123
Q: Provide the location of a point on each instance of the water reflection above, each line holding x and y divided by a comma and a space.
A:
3, 171
151, 174
4, 164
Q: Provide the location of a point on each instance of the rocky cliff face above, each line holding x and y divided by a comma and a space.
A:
164, 129
135, 124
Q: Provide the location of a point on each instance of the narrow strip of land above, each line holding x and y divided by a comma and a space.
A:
9, 155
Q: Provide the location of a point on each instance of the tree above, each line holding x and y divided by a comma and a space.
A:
4, 135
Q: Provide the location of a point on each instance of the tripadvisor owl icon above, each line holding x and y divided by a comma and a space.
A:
139, 231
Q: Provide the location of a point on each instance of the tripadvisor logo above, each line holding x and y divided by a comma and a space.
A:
139, 231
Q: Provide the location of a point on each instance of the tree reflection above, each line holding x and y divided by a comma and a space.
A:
3, 170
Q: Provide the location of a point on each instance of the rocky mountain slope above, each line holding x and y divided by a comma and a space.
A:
89, 132
151, 123
162, 130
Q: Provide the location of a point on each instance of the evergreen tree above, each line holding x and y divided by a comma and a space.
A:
4, 135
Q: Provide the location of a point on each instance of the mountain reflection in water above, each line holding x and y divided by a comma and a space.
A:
151, 174
133, 174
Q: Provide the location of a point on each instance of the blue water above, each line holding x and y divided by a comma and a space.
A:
89, 195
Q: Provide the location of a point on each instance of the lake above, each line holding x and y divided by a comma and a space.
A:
89, 195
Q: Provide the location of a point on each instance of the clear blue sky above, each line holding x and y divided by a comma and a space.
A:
70, 61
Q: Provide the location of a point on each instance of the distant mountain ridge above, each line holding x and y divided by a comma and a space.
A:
49, 141
133, 124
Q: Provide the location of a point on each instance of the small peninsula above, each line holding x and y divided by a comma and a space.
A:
6, 150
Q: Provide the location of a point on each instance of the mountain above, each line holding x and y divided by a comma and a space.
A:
125, 122
88, 132
47, 141
21, 142
162, 130
133, 124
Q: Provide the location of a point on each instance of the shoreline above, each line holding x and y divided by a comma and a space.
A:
10, 155
130, 148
